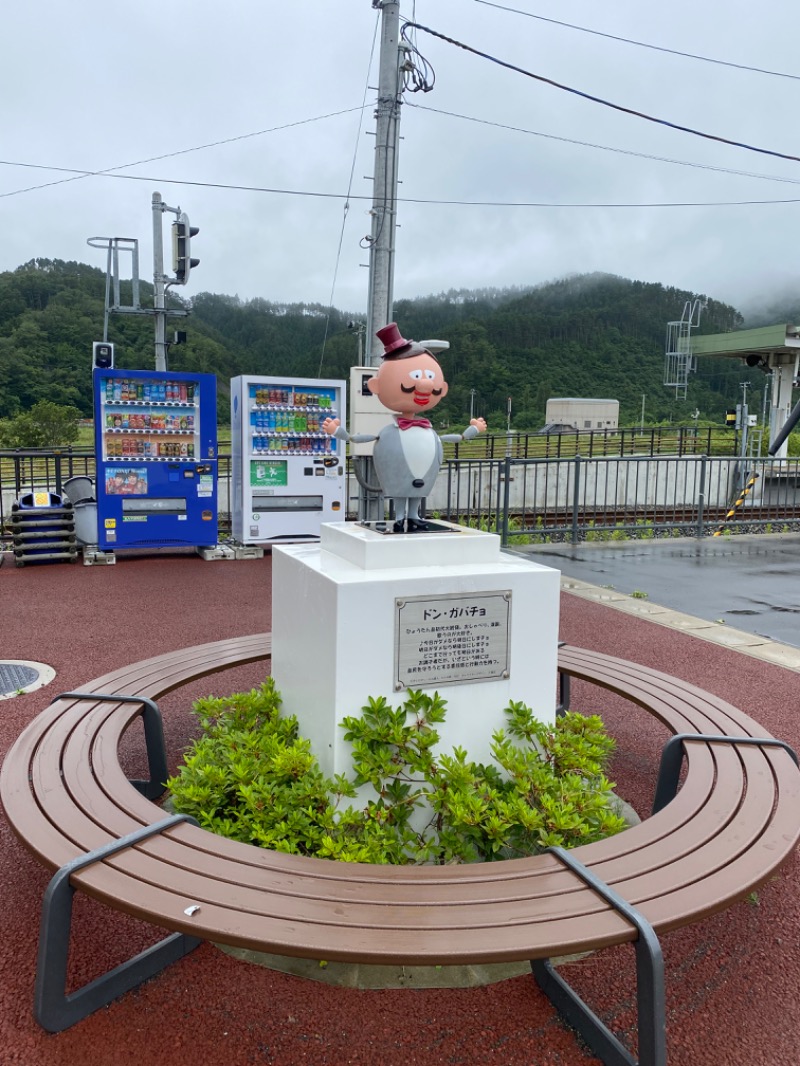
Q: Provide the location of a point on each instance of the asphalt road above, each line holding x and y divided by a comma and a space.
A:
751, 583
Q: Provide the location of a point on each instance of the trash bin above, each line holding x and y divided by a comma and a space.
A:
79, 488
43, 529
86, 521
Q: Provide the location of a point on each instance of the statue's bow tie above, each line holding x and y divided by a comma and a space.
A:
407, 423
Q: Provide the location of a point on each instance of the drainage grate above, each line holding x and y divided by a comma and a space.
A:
19, 675
14, 677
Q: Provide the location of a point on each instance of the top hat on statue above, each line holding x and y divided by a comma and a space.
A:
395, 346
391, 340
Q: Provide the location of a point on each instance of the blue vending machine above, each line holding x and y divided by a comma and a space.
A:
156, 447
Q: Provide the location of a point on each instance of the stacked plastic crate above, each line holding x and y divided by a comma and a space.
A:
43, 529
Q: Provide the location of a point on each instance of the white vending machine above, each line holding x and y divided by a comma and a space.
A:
288, 476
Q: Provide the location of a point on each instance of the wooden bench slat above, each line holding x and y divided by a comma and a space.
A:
206, 891
733, 822
94, 839
153, 678
84, 760
698, 708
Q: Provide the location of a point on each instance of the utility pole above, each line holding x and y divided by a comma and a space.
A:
380, 296
381, 238
743, 420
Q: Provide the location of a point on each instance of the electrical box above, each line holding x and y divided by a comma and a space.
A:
367, 413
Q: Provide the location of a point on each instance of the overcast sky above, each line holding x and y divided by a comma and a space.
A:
99, 86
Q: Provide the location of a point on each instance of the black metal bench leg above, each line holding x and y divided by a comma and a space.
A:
54, 1009
650, 989
675, 749
153, 736
563, 689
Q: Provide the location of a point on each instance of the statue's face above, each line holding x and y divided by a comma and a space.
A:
409, 386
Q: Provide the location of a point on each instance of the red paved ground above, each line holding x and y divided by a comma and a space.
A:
732, 982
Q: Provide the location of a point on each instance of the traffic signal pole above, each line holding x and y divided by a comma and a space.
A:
182, 263
159, 283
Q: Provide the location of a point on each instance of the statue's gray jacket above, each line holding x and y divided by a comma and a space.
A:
406, 461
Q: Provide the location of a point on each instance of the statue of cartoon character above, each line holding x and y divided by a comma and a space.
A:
407, 453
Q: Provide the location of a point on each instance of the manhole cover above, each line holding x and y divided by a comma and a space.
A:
19, 675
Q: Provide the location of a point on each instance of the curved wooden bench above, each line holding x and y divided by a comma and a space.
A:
731, 824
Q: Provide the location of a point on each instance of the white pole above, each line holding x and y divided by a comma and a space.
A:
384, 193
159, 303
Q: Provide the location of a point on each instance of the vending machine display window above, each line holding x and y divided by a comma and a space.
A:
156, 444
280, 452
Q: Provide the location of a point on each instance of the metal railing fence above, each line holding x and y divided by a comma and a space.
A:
27, 470
529, 500
648, 440
615, 498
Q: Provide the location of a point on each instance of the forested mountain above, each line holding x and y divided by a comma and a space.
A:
590, 335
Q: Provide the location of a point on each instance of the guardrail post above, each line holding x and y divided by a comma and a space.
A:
17, 475
506, 500
576, 488
701, 495
57, 458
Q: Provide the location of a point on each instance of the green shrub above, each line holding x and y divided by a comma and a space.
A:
249, 776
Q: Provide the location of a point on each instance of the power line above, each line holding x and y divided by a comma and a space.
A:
606, 147
417, 199
167, 155
642, 44
599, 100
347, 202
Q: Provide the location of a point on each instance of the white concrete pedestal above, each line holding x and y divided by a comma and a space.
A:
365, 614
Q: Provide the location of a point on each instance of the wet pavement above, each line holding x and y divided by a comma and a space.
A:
750, 583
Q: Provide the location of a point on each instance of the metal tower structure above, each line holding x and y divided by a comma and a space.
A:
679, 361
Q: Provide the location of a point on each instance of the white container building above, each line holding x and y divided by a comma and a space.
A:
583, 414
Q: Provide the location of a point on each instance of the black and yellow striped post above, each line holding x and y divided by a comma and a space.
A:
738, 503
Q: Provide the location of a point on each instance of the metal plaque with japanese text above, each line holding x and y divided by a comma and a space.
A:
451, 639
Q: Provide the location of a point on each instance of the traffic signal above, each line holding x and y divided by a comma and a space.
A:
182, 261
103, 355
